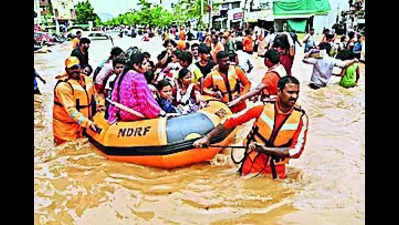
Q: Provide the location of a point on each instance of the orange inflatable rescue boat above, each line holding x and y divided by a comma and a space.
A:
161, 142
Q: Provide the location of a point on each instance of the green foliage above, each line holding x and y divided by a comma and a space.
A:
85, 13
49, 15
147, 15
189, 9
158, 16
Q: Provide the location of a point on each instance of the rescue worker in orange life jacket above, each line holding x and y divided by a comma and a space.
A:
227, 82
278, 133
75, 102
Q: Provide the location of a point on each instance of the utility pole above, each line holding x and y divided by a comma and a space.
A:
202, 11
210, 12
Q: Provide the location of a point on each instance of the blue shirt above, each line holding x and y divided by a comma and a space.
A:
167, 106
200, 36
34, 80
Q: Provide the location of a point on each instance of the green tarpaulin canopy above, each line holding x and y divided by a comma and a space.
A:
296, 25
292, 7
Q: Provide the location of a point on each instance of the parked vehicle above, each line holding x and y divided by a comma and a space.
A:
36, 45
98, 35
41, 37
57, 38
72, 33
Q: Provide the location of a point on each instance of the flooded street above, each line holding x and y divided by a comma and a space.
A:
74, 184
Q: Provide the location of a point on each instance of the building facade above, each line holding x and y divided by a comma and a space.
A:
37, 12
244, 14
64, 10
239, 14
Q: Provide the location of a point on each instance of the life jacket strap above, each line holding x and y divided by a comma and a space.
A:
68, 122
273, 167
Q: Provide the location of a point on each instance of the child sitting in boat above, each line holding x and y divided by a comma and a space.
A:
171, 70
188, 95
165, 97
118, 66
149, 76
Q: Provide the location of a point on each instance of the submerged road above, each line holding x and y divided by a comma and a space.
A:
74, 184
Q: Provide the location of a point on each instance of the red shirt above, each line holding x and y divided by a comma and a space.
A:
271, 81
248, 43
182, 35
286, 60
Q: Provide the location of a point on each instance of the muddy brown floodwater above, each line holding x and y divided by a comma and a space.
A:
74, 184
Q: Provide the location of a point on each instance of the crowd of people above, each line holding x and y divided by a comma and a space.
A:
216, 66
344, 53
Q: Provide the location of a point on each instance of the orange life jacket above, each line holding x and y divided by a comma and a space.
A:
229, 89
262, 132
64, 126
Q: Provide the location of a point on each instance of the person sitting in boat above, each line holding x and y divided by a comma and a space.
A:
165, 97
152, 83
107, 70
185, 60
172, 69
87, 70
227, 82
268, 86
278, 133
205, 64
118, 66
75, 102
131, 90
166, 56
188, 95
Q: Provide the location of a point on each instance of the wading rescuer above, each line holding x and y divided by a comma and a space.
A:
227, 82
269, 85
75, 102
278, 133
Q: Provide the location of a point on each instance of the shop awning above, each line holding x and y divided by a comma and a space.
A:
284, 17
252, 17
300, 7
297, 25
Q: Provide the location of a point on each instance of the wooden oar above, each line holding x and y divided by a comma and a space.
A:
125, 108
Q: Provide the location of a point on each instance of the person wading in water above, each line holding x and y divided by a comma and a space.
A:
278, 133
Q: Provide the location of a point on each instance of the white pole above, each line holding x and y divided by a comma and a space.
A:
210, 15
202, 8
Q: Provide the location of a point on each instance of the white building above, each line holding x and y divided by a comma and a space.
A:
232, 13
327, 21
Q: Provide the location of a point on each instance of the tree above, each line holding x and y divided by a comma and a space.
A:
49, 15
189, 9
85, 13
148, 15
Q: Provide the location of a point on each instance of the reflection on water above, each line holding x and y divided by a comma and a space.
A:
73, 184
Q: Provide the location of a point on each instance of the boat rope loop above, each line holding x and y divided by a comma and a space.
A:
269, 159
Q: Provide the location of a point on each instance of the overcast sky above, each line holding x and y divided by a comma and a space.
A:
116, 7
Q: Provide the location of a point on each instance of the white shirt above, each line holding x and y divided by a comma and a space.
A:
323, 68
243, 60
106, 71
110, 79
